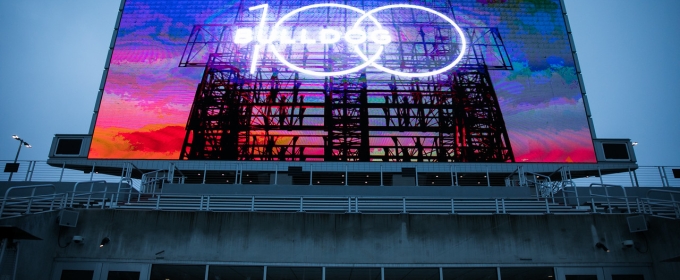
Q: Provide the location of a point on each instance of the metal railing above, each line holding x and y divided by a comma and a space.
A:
672, 203
19, 201
607, 196
89, 194
666, 207
352, 204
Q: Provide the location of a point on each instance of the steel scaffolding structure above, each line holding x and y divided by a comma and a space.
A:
280, 114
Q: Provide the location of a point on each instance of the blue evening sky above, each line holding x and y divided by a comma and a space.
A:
53, 54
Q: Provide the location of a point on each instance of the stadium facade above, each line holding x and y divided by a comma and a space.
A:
352, 140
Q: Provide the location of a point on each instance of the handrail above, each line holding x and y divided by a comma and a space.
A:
326, 204
352, 204
180, 173
36, 198
135, 167
607, 196
34, 187
150, 179
75, 187
537, 183
30, 201
564, 191
659, 202
661, 191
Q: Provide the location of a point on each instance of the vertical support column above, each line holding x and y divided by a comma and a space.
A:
61, 176
664, 178
171, 173
264, 275
632, 183
416, 168
16, 261
4, 245
29, 170
276, 175
453, 177
455, 173
488, 180
205, 170
207, 269
311, 173
92, 171
239, 174
441, 273
599, 173
323, 273
381, 175
382, 273
346, 175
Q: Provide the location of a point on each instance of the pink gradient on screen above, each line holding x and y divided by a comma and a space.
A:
544, 145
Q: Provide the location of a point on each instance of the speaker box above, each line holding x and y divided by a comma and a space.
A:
637, 223
68, 218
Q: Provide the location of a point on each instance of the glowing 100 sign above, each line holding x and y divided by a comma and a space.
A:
353, 36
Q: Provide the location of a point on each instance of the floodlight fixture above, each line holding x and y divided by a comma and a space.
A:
600, 245
104, 242
21, 143
634, 143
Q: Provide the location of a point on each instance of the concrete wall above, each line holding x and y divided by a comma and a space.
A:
297, 238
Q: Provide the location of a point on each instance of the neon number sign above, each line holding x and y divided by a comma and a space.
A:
354, 36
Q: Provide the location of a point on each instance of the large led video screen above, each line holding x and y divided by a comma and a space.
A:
395, 81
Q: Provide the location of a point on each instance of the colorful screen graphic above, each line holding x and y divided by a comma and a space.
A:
437, 81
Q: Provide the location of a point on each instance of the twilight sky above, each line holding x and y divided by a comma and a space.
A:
54, 54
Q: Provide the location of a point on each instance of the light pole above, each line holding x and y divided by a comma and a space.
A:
21, 143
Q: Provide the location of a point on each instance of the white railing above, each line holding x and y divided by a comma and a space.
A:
658, 202
352, 204
89, 194
19, 203
673, 202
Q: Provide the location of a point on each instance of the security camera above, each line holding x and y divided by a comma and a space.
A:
78, 239
628, 244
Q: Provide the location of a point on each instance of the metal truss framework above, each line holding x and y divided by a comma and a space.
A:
279, 114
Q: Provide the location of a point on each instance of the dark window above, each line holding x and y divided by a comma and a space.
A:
471, 273
218, 272
69, 146
615, 151
352, 273
77, 274
527, 273
177, 272
123, 275
628, 277
580, 277
411, 273
676, 173
11, 167
293, 273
